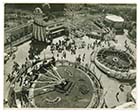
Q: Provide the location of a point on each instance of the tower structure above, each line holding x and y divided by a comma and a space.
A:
39, 26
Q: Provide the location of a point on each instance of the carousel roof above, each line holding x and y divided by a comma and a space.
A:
114, 18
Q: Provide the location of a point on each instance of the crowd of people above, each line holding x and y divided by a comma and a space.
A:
63, 47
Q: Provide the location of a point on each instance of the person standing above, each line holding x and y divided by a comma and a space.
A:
88, 46
117, 96
79, 59
15, 66
57, 55
83, 58
25, 93
64, 54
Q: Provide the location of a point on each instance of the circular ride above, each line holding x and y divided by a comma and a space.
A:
115, 63
61, 84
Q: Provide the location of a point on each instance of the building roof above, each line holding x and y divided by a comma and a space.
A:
114, 18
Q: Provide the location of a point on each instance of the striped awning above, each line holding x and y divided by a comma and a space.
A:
40, 22
39, 30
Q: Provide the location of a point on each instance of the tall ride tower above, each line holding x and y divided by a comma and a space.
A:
39, 26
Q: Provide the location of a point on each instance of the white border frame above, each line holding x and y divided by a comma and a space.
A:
66, 1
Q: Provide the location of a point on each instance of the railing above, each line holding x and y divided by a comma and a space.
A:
19, 41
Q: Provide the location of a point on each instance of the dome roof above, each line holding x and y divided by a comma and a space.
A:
38, 11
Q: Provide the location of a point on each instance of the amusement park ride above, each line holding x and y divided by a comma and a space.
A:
56, 85
44, 32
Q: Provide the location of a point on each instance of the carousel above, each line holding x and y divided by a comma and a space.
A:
56, 84
115, 63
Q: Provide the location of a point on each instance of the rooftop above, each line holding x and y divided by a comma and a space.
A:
114, 18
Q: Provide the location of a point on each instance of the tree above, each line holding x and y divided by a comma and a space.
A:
72, 13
